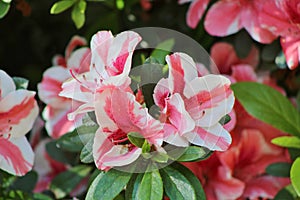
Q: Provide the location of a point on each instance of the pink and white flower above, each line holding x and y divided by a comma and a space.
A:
192, 106
57, 108
110, 65
18, 111
283, 19
118, 114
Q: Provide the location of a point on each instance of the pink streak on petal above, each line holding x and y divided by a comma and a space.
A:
75, 42
13, 155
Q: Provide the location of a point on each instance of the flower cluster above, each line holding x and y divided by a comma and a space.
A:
190, 106
264, 20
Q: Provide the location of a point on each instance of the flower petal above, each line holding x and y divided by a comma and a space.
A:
243, 72
291, 49
7, 84
161, 92
80, 60
18, 111
209, 99
74, 42
182, 69
215, 138
195, 12
16, 155
218, 25
51, 86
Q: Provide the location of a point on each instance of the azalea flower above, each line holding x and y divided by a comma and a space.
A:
283, 19
192, 106
57, 108
110, 65
118, 113
239, 173
239, 14
18, 111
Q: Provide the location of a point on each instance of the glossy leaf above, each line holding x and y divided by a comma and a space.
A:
279, 169
149, 186
78, 13
287, 141
192, 153
26, 183
108, 185
86, 155
295, 175
4, 8
66, 181
61, 6
268, 105
284, 194
176, 185
200, 194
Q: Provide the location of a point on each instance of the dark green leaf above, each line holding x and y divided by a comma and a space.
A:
75, 140
284, 194
149, 186
287, 141
294, 153
162, 50
268, 105
295, 175
136, 139
298, 101
4, 8
78, 13
200, 194
176, 185
66, 181
224, 120
61, 6
39, 196
132, 186
279, 169
26, 183
58, 154
192, 153
21, 83
108, 185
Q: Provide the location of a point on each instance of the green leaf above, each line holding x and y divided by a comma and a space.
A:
294, 153
148, 186
146, 147
132, 186
58, 154
279, 169
284, 194
192, 153
298, 101
26, 183
162, 50
176, 185
287, 141
4, 8
108, 185
39, 196
61, 6
21, 83
78, 13
268, 105
86, 155
160, 157
295, 175
224, 120
66, 181
200, 194
120, 4
136, 139
74, 141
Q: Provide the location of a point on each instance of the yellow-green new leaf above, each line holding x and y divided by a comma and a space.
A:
78, 13
61, 6
295, 176
287, 141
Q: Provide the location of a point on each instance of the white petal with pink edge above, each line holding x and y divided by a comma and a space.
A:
215, 138
18, 110
7, 84
80, 60
161, 93
182, 69
16, 155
